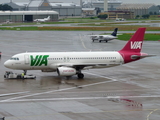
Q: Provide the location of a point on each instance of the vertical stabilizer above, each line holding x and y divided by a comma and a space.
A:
132, 50
135, 43
115, 32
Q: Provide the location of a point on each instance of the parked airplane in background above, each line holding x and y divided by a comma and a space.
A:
72, 63
42, 20
120, 19
105, 37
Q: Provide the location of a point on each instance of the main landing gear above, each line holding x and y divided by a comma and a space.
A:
80, 75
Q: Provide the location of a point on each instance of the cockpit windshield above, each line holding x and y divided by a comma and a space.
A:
14, 58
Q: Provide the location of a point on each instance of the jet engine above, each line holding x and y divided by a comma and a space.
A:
66, 71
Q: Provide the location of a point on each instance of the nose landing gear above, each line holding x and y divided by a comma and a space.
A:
25, 72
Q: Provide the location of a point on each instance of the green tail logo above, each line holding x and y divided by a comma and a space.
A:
39, 60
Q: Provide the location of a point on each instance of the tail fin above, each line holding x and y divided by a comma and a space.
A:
115, 32
135, 43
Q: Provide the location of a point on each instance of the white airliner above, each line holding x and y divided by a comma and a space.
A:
42, 20
71, 63
105, 37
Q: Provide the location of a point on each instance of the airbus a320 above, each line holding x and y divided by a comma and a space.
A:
72, 63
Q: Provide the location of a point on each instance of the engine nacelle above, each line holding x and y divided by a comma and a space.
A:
66, 71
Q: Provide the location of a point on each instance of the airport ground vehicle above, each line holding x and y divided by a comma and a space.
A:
11, 75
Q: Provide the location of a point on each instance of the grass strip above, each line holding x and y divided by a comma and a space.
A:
121, 28
147, 37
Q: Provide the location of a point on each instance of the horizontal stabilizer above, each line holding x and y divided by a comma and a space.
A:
142, 56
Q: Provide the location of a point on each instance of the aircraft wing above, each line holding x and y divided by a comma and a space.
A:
84, 65
96, 35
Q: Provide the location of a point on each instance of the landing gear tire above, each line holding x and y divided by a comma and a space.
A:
106, 41
18, 77
80, 76
92, 40
100, 41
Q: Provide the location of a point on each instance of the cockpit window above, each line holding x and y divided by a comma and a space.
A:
14, 58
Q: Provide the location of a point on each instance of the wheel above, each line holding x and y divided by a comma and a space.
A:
100, 41
80, 76
93, 40
18, 77
106, 41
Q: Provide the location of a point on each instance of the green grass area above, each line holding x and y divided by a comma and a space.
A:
148, 37
72, 28
20, 28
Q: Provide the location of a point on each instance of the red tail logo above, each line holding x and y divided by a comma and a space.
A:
136, 45
133, 46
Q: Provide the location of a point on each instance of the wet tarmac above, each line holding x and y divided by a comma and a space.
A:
127, 92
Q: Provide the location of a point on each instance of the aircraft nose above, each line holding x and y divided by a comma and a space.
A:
7, 64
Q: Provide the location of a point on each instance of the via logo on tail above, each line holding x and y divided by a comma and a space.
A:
136, 45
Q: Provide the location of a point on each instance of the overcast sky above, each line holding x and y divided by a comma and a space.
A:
157, 2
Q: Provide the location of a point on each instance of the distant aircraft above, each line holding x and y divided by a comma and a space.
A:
105, 37
72, 63
42, 20
120, 19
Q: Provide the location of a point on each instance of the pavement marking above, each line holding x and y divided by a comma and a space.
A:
65, 89
151, 113
117, 98
83, 42
58, 113
101, 76
123, 80
9, 94
108, 92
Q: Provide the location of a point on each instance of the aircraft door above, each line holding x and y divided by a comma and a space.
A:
26, 59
